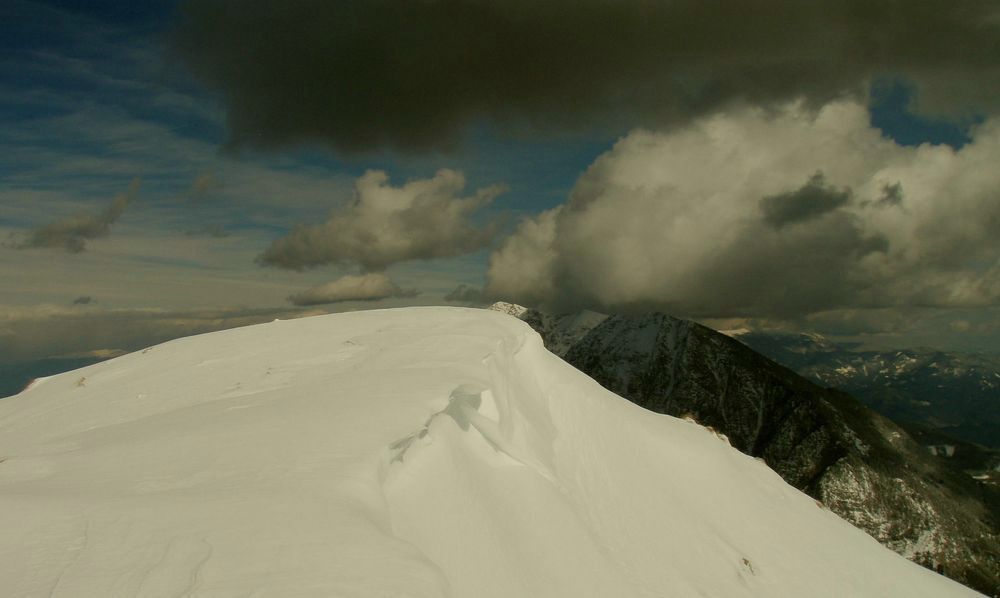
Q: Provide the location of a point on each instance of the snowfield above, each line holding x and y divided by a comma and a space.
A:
422, 452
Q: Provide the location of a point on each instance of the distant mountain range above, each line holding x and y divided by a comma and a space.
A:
957, 394
859, 464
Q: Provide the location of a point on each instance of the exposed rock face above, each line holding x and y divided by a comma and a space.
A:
824, 442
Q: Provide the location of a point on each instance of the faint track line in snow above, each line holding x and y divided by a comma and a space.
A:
76, 557
58, 533
176, 572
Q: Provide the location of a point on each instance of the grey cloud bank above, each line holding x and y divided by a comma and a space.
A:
367, 74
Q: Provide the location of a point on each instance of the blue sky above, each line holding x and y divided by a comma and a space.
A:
93, 98
93, 102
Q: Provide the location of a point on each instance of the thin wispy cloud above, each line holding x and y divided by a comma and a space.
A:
73, 232
83, 153
204, 186
364, 287
36, 332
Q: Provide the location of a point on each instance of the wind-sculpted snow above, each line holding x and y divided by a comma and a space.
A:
860, 465
422, 452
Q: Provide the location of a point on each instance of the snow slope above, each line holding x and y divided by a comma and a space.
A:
412, 452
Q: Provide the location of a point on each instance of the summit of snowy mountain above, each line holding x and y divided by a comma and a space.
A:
424, 452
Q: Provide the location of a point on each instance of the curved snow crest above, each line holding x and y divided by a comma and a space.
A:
421, 452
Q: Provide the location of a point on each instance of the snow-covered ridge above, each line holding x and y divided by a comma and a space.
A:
412, 452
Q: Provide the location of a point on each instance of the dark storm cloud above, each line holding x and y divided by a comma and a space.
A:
73, 232
363, 74
788, 272
810, 201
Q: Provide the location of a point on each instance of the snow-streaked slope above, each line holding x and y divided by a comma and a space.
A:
413, 452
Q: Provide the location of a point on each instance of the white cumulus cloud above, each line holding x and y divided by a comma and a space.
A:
422, 219
776, 214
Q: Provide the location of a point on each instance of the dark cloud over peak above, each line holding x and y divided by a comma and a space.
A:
810, 201
73, 232
892, 195
364, 74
